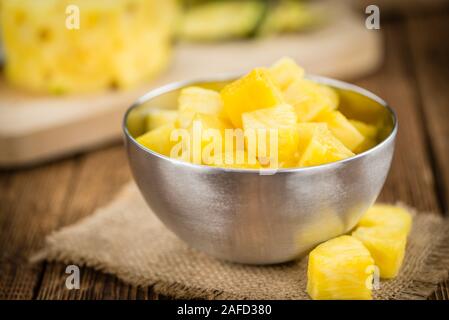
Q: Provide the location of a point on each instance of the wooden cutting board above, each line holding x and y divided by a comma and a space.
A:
36, 128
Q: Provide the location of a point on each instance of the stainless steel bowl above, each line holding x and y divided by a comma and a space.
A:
243, 216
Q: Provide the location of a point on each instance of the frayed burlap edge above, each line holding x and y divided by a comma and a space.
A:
421, 286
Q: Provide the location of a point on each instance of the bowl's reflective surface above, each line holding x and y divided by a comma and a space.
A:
246, 217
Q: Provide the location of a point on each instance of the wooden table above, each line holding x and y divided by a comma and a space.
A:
36, 201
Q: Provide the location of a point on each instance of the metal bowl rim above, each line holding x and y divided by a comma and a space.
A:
228, 77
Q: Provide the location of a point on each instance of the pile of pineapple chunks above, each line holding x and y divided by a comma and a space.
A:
344, 267
303, 115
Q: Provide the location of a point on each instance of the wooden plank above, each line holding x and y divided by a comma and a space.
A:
410, 179
101, 174
31, 202
429, 55
430, 59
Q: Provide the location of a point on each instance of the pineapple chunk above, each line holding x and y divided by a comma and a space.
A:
306, 130
220, 20
384, 215
158, 139
310, 98
341, 269
286, 71
206, 133
158, 117
254, 91
120, 43
282, 119
194, 100
340, 126
365, 145
369, 132
322, 148
387, 247
235, 160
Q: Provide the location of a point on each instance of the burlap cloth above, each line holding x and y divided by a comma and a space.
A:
127, 240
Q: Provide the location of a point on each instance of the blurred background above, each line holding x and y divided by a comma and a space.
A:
71, 68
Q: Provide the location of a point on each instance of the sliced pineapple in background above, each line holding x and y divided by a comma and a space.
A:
282, 119
341, 269
158, 140
120, 43
253, 91
385, 215
285, 71
322, 148
158, 117
194, 100
340, 126
369, 132
217, 21
310, 98
292, 16
387, 247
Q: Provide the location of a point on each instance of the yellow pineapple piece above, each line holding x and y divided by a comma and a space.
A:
340, 269
158, 117
194, 100
286, 71
119, 43
340, 126
306, 130
369, 132
323, 147
385, 215
282, 120
310, 98
206, 133
253, 91
159, 139
235, 160
387, 247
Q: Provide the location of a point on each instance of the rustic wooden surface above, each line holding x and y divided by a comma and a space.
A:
37, 201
